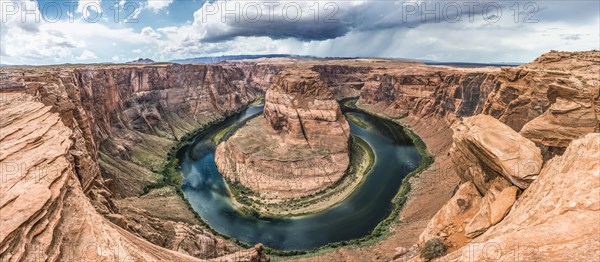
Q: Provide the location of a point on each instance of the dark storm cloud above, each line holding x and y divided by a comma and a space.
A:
348, 16
337, 20
300, 31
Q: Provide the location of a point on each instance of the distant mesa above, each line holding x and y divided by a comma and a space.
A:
141, 61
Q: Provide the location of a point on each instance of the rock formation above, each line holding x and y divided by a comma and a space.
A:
343, 80
300, 146
485, 148
44, 212
302, 107
396, 91
550, 109
569, 80
414, 89
118, 122
493, 162
556, 218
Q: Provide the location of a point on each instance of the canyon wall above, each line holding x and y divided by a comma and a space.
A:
421, 91
45, 214
343, 80
506, 176
298, 148
122, 120
258, 73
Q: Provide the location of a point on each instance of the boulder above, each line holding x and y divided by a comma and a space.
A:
495, 205
449, 219
485, 148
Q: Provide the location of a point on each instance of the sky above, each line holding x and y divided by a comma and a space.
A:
117, 31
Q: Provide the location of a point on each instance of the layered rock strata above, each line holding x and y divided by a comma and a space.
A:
122, 122
494, 163
559, 90
44, 212
555, 219
298, 148
551, 110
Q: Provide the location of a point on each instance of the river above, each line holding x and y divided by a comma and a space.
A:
355, 217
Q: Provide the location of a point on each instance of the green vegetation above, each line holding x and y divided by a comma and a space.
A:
217, 137
171, 177
433, 248
258, 101
356, 120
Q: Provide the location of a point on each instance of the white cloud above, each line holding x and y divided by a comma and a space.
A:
89, 8
64, 41
157, 5
116, 58
86, 55
149, 32
137, 51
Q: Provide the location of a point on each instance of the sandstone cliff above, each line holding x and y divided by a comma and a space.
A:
44, 212
559, 90
343, 80
298, 148
556, 218
80, 144
301, 106
123, 120
419, 91
495, 164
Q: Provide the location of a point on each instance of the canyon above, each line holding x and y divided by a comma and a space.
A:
516, 149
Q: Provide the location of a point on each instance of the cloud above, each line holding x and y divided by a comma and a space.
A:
570, 36
157, 5
303, 20
356, 28
86, 7
149, 32
65, 41
86, 55
308, 21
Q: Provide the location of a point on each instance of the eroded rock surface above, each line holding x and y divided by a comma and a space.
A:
298, 148
44, 212
555, 219
559, 90
485, 148
122, 120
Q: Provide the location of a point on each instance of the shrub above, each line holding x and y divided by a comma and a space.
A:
433, 248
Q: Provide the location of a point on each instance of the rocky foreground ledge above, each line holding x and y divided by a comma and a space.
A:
298, 148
